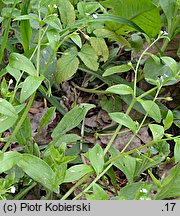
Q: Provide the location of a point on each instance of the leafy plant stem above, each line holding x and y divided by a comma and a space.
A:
25, 191
76, 185
118, 128
18, 126
138, 63
92, 183
147, 93
142, 122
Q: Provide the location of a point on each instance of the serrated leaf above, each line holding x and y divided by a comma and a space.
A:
67, 65
124, 120
21, 62
168, 120
8, 160
152, 109
71, 119
100, 47
89, 57
157, 131
120, 89
76, 172
177, 150
38, 170
67, 12
96, 158
117, 69
30, 85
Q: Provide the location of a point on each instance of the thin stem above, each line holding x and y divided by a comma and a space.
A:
76, 185
25, 191
93, 182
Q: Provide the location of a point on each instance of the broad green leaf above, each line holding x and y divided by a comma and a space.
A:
20, 62
71, 119
14, 72
96, 158
111, 104
76, 172
176, 115
117, 69
143, 13
38, 170
53, 21
120, 89
157, 131
24, 135
105, 33
124, 120
89, 57
53, 38
7, 109
67, 138
8, 160
46, 118
87, 7
60, 173
126, 164
77, 40
171, 185
67, 12
98, 193
6, 122
177, 150
130, 191
136, 42
67, 65
30, 85
154, 71
168, 120
100, 47
152, 109
171, 63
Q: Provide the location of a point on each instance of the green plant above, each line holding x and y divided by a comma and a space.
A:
59, 41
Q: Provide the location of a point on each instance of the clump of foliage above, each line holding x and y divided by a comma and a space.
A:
43, 44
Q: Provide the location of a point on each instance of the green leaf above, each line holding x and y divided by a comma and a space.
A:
126, 164
117, 69
177, 150
112, 36
171, 185
71, 119
96, 158
171, 63
67, 12
8, 160
124, 120
89, 57
120, 89
53, 38
30, 85
38, 170
76, 172
67, 65
77, 40
100, 47
176, 115
156, 71
67, 138
111, 104
98, 193
7, 109
53, 21
6, 122
20, 62
143, 13
168, 120
157, 131
46, 118
152, 109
